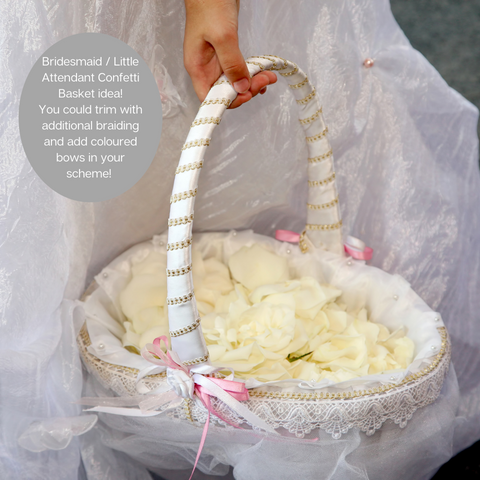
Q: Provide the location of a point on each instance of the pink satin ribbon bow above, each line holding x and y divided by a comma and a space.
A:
203, 387
357, 249
237, 390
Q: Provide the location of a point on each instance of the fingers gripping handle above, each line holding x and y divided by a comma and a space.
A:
323, 229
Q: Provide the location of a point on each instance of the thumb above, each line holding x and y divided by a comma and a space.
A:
233, 64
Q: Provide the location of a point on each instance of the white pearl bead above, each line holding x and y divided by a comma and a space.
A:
105, 275
101, 346
289, 251
392, 378
234, 232
437, 319
433, 347
395, 297
161, 244
349, 262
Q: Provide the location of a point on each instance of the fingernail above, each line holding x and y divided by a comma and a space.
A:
241, 86
263, 90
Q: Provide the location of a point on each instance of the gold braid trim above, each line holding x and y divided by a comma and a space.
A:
179, 245
189, 166
180, 300
334, 226
301, 84
319, 183
201, 142
179, 271
274, 63
317, 137
183, 331
196, 361
174, 222
205, 121
302, 243
320, 158
217, 101
323, 206
305, 100
220, 82
176, 197
292, 72
306, 121
258, 64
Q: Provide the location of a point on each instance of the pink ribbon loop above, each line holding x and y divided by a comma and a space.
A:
287, 236
364, 253
358, 255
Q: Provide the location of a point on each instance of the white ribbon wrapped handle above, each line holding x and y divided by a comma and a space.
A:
323, 227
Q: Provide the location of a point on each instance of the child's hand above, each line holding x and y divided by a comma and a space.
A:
210, 48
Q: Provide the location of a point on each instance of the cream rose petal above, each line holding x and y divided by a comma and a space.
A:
403, 351
254, 266
271, 326
241, 360
154, 264
148, 318
311, 297
342, 351
130, 338
150, 335
264, 291
338, 320
143, 291
320, 339
308, 371
222, 305
272, 371
216, 352
369, 329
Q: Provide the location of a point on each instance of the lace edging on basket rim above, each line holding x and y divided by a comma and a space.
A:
335, 416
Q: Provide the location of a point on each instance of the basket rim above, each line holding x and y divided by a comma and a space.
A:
83, 341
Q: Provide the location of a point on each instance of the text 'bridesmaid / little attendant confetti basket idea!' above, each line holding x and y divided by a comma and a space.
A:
192, 380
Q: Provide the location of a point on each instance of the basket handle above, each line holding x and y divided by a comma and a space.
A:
323, 229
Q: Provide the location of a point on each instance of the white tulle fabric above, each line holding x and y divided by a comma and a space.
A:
406, 156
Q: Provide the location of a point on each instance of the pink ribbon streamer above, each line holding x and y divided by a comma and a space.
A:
237, 390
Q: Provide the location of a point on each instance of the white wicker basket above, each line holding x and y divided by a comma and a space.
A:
295, 410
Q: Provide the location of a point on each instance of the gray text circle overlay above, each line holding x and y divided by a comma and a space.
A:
120, 173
